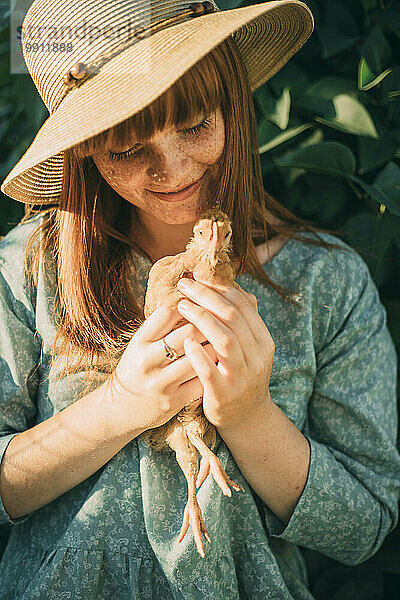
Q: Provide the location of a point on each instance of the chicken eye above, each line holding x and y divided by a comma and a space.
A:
200, 232
226, 235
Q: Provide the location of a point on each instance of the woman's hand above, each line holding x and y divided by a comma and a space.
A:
146, 389
239, 383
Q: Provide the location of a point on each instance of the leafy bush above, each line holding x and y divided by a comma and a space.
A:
329, 138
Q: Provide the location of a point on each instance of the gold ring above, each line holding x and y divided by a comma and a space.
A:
170, 353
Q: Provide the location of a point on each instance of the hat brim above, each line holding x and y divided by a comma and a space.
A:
267, 35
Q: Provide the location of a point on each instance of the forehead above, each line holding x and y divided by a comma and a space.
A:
195, 95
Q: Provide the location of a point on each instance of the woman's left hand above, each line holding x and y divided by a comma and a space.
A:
239, 383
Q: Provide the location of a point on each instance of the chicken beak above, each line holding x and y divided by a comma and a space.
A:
214, 244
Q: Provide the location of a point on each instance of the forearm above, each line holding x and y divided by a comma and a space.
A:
273, 456
51, 458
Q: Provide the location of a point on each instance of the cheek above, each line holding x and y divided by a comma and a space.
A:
118, 175
212, 147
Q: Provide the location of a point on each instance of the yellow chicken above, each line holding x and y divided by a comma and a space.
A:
206, 257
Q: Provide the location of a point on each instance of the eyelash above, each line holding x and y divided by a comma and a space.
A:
196, 130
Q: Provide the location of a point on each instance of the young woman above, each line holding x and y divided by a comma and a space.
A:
298, 372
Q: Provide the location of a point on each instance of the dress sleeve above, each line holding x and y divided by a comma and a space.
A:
20, 349
350, 501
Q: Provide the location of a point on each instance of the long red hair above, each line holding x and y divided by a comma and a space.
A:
88, 232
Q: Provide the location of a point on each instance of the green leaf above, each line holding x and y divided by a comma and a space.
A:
330, 86
379, 195
282, 110
318, 96
33, 104
351, 117
369, 4
366, 78
391, 84
375, 49
388, 180
267, 131
227, 4
275, 110
291, 174
373, 153
291, 76
316, 105
284, 137
390, 175
326, 157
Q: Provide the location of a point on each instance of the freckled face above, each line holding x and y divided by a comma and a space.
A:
179, 157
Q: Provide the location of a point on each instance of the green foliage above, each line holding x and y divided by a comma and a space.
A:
329, 134
329, 140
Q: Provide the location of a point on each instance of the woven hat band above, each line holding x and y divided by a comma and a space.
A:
80, 72
89, 43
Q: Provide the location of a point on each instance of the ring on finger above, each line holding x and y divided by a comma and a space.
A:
170, 353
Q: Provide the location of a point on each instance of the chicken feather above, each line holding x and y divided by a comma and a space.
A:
206, 257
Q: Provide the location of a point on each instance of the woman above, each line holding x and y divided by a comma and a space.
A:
298, 372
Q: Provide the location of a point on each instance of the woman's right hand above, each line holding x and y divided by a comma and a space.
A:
146, 388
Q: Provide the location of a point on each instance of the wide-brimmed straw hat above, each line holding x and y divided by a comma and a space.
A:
98, 62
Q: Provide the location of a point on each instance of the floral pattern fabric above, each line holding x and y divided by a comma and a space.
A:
115, 534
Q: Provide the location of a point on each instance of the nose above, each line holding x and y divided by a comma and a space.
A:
169, 164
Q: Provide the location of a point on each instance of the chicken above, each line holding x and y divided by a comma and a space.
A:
206, 257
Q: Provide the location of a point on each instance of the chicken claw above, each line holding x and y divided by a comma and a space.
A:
209, 461
192, 516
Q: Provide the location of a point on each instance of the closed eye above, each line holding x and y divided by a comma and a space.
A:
196, 130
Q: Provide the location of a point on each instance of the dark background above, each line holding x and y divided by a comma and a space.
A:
329, 139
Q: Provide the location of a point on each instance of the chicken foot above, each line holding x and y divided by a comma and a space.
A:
185, 443
209, 461
187, 458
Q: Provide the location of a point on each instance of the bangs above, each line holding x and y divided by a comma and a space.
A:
192, 97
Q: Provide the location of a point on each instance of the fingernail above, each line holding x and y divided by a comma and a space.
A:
185, 283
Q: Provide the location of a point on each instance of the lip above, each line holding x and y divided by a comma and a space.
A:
174, 196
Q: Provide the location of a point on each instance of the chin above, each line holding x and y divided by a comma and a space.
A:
175, 215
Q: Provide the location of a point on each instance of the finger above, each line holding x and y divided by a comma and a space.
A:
176, 337
233, 308
231, 295
221, 336
158, 324
247, 304
183, 376
188, 392
205, 368
181, 370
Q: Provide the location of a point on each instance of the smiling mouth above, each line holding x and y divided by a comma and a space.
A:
177, 191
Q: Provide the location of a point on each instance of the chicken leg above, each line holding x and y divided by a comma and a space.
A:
185, 440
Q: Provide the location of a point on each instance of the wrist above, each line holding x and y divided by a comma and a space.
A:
246, 422
117, 407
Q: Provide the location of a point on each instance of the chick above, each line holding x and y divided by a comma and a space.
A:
206, 257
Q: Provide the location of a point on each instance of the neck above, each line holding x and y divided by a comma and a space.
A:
159, 239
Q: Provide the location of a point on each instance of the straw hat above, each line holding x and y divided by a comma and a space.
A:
112, 58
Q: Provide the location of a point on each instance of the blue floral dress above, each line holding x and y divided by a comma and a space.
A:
114, 536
